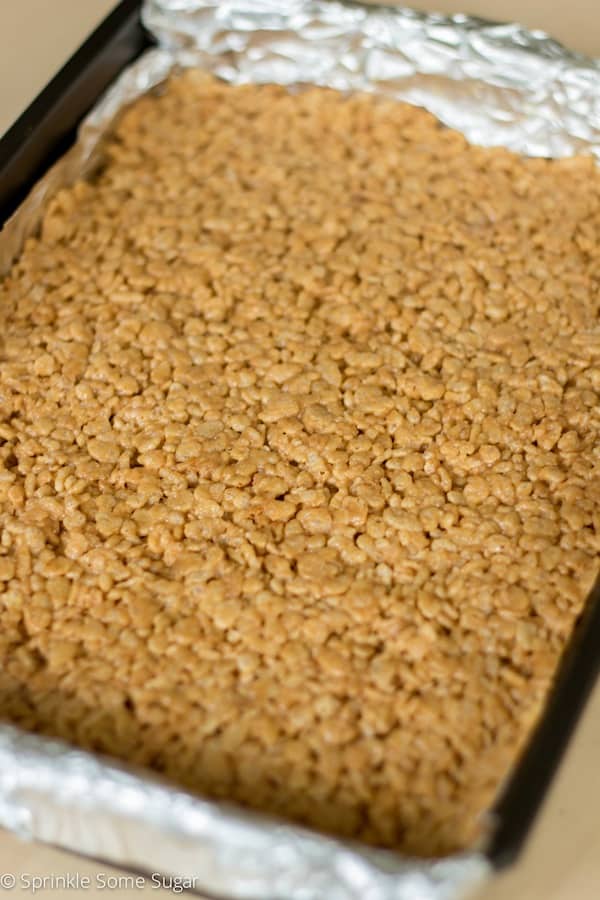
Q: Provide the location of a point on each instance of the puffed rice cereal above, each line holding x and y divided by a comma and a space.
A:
299, 456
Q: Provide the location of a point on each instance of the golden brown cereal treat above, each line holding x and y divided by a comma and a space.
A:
299, 484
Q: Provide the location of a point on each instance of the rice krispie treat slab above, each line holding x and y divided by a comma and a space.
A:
299, 470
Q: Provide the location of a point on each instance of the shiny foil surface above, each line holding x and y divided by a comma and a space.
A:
501, 86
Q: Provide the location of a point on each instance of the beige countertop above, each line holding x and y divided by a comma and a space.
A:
562, 858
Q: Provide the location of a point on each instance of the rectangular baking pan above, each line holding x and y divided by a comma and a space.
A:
43, 133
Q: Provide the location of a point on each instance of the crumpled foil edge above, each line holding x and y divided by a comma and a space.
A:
97, 807
498, 84
501, 85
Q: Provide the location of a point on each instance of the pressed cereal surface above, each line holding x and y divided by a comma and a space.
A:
299, 482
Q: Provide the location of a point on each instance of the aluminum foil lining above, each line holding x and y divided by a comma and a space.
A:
98, 808
501, 86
